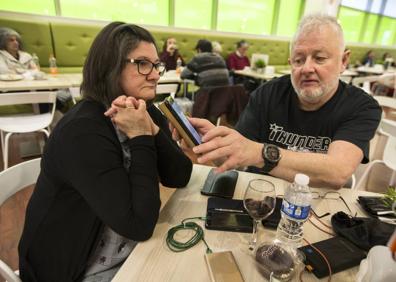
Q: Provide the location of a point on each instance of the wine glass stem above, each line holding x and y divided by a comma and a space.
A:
253, 241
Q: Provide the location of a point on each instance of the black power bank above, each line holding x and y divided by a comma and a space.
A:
220, 184
340, 253
228, 215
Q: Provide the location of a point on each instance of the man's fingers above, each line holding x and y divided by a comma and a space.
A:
219, 131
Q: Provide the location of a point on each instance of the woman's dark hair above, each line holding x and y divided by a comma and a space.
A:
204, 45
5, 33
165, 46
107, 58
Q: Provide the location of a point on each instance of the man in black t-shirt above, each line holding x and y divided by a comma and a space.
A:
309, 122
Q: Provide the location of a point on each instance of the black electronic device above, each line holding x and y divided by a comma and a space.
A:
175, 115
273, 220
340, 253
220, 184
228, 215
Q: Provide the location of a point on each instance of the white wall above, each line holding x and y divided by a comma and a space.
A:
329, 7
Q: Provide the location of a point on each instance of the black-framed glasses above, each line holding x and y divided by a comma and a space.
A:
145, 67
330, 195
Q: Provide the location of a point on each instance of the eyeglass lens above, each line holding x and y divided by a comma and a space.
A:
146, 67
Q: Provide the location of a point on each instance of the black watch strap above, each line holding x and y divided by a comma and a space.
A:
271, 156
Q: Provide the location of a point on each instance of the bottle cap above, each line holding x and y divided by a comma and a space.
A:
301, 179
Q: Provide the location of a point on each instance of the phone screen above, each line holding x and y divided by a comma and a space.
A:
229, 221
185, 121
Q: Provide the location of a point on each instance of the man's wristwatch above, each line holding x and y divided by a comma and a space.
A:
271, 156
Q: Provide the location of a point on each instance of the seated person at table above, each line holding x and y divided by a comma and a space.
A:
98, 190
206, 68
238, 59
170, 54
368, 59
308, 122
15, 61
12, 59
388, 60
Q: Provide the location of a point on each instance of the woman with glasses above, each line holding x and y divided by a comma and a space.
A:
98, 191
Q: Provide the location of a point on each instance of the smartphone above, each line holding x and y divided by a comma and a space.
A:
175, 115
229, 221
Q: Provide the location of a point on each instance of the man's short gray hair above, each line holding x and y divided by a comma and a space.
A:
313, 22
5, 33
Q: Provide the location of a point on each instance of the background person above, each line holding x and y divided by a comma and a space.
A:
12, 59
309, 122
238, 60
97, 194
170, 54
368, 59
206, 68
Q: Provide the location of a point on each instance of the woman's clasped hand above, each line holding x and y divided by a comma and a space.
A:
131, 117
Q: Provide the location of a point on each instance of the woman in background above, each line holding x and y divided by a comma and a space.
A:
170, 54
97, 194
12, 59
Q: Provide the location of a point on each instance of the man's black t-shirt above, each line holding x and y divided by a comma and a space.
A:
273, 116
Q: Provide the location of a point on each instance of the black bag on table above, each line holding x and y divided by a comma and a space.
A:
363, 232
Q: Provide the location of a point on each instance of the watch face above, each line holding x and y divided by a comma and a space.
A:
272, 153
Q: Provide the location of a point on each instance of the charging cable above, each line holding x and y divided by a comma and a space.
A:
177, 246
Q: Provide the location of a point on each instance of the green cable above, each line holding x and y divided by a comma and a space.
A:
177, 246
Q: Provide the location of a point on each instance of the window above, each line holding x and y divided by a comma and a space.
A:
289, 12
351, 21
390, 9
43, 7
193, 14
369, 32
137, 11
376, 6
248, 16
387, 31
356, 4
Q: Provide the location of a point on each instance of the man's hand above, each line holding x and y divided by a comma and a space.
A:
228, 144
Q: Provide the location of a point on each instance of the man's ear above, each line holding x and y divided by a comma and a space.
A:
345, 59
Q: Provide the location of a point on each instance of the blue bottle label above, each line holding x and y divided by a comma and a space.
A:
294, 211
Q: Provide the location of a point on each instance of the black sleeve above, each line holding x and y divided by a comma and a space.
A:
249, 121
174, 166
127, 201
359, 128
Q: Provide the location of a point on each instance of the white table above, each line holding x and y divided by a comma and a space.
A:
153, 261
257, 75
60, 81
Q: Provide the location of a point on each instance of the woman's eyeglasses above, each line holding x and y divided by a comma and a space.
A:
331, 195
145, 67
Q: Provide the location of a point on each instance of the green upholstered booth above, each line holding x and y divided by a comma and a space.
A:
70, 41
36, 36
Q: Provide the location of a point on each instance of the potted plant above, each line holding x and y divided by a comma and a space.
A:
259, 65
390, 198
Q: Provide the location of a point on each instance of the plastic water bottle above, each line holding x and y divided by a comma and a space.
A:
36, 61
52, 65
295, 211
178, 65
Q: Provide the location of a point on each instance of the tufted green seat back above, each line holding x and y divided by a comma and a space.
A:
72, 42
36, 36
358, 52
278, 50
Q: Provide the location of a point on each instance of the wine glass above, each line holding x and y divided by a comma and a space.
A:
259, 201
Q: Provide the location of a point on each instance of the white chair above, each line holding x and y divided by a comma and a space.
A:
167, 88
346, 79
13, 180
388, 127
75, 93
27, 122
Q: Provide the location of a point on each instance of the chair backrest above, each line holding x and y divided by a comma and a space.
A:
18, 98
75, 93
388, 127
385, 101
17, 177
167, 88
211, 103
346, 79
